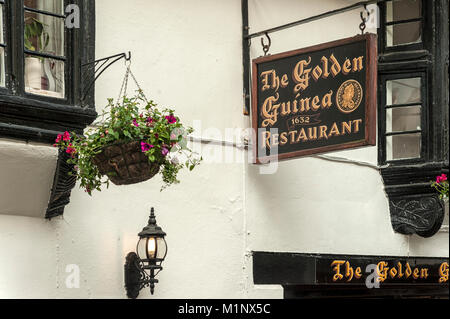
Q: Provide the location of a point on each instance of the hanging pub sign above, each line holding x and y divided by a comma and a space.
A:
314, 100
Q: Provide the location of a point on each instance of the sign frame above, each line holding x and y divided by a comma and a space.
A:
370, 97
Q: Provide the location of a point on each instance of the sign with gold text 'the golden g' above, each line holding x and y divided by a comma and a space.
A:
316, 99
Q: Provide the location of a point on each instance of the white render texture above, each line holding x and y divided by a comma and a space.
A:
188, 55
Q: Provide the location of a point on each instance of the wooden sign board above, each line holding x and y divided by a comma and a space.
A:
315, 100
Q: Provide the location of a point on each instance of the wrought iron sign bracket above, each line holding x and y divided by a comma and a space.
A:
246, 38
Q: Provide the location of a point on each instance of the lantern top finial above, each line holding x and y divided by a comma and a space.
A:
152, 229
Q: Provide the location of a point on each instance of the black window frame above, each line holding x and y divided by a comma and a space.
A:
413, 204
426, 30
39, 118
424, 122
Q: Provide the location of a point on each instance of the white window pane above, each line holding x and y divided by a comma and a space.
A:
403, 91
1, 24
54, 6
44, 76
403, 10
403, 119
404, 33
403, 146
2, 67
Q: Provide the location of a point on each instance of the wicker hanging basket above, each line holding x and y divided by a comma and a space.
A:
124, 163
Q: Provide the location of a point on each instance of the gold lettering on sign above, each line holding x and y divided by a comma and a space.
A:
287, 99
344, 270
382, 271
357, 64
270, 110
337, 269
283, 138
348, 271
285, 108
335, 67
408, 270
346, 67
358, 272
443, 272
400, 274
301, 75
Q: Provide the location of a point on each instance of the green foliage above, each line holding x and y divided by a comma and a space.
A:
441, 185
34, 29
163, 139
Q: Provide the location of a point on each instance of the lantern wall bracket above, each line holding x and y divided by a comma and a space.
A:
136, 278
140, 271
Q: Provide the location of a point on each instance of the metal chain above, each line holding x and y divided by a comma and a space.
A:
139, 87
362, 26
123, 89
124, 85
266, 47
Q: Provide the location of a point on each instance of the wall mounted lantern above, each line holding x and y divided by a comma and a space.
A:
141, 268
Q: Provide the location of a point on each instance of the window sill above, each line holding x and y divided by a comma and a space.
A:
414, 205
28, 119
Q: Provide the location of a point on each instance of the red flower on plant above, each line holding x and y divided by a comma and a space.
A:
71, 150
66, 136
171, 119
149, 121
146, 147
440, 179
135, 123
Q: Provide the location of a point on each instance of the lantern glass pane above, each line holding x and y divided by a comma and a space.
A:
162, 248
142, 248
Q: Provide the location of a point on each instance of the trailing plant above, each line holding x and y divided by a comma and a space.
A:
441, 185
162, 137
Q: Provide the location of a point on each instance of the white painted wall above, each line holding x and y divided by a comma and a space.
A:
221, 211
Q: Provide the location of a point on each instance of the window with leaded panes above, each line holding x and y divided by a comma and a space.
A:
413, 109
41, 70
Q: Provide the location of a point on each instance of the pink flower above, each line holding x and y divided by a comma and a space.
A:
59, 138
135, 123
146, 147
164, 151
66, 136
149, 122
171, 119
440, 179
70, 150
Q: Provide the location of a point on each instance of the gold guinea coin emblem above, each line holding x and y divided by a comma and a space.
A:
349, 96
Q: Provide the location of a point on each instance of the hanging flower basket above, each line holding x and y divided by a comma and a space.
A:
132, 142
124, 163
